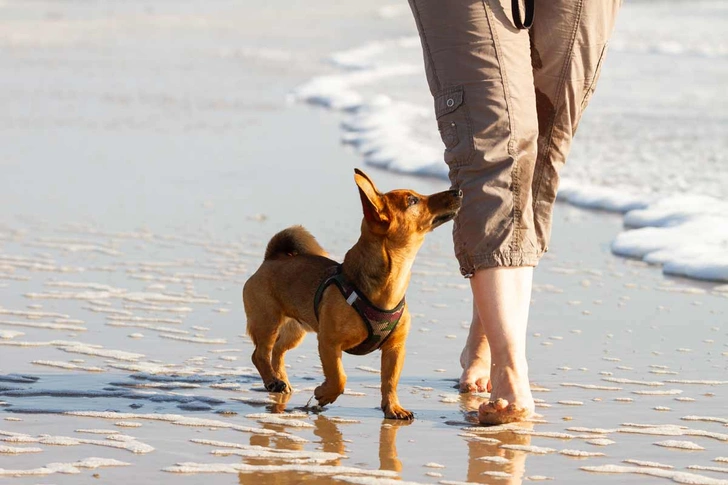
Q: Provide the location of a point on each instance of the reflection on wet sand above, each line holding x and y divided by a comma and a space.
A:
388, 459
331, 440
487, 461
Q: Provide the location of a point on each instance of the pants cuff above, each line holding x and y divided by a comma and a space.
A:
469, 264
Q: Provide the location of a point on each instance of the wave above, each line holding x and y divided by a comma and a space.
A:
685, 233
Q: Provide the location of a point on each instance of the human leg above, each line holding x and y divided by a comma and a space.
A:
568, 45
479, 72
569, 42
503, 296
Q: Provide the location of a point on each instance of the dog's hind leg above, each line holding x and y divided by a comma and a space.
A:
290, 335
263, 329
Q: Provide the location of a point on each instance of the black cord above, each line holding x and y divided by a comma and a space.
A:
517, 20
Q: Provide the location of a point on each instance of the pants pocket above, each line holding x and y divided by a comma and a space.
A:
454, 126
449, 134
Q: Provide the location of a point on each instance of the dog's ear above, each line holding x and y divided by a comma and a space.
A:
371, 200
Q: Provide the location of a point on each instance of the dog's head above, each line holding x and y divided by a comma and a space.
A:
404, 216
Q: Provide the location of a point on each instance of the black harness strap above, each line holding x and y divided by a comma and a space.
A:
379, 323
519, 22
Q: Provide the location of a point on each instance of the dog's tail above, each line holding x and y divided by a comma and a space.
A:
291, 242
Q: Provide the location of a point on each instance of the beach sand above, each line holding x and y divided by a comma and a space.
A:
148, 153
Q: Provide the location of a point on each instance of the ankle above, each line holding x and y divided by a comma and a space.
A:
478, 361
512, 371
509, 358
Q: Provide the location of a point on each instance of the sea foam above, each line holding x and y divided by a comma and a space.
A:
685, 233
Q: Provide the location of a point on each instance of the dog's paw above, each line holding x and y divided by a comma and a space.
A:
324, 395
397, 412
278, 386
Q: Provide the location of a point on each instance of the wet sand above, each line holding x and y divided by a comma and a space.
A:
154, 349
128, 226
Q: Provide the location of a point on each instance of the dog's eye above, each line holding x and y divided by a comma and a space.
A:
412, 200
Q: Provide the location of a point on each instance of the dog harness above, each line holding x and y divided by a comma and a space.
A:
380, 323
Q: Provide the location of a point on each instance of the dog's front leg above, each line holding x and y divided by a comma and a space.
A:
335, 379
393, 352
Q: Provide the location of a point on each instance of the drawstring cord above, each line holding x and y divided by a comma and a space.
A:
517, 20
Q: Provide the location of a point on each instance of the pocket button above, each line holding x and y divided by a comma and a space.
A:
449, 134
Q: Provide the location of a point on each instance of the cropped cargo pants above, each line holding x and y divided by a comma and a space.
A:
508, 102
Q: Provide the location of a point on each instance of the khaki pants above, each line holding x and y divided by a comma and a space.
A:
507, 103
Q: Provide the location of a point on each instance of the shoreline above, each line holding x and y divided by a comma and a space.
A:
123, 282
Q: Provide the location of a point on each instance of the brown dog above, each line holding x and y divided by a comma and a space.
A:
295, 291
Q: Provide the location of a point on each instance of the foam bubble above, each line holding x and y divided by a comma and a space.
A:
10, 334
197, 340
295, 423
17, 450
275, 454
538, 450
180, 420
681, 445
67, 365
359, 480
128, 424
338, 420
97, 431
719, 469
698, 382
651, 464
544, 434
45, 325
600, 442
591, 386
670, 392
621, 380
66, 468
496, 474
580, 453
581, 429
679, 477
495, 459
235, 468
32, 315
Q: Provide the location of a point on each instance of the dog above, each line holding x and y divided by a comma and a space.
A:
357, 306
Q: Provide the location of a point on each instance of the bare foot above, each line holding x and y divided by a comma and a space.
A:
475, 359
476, 373
510, 399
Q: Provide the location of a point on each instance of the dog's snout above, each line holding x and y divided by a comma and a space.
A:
458, 194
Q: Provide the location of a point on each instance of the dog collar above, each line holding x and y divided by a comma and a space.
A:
379, 323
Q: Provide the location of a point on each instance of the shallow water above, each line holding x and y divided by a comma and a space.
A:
612, 342
137, 196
